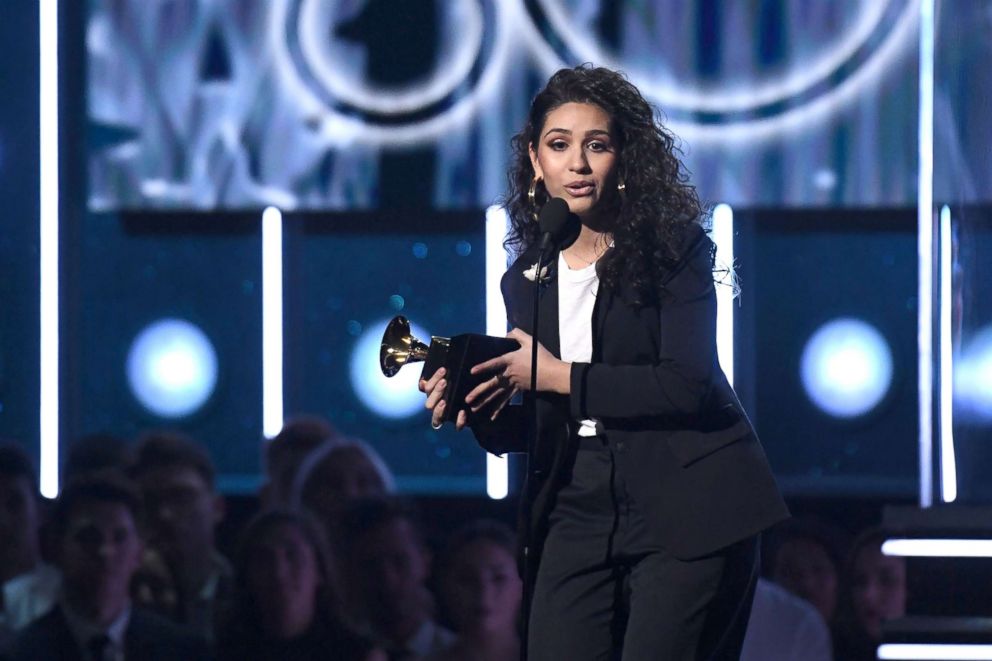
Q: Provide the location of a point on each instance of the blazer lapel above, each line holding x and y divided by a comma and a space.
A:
523, 304
549, 335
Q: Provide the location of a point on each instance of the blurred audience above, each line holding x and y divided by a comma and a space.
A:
299, 436
95, 453
805, 557
481, 592
338, 472
98, 546
288, 605
784, 627
28, 586
387, 566
183, 575
873, 590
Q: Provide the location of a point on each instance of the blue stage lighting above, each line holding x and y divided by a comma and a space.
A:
172, 368
391, 397
973, 378
846, 367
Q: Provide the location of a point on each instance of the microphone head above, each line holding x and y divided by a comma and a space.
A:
553, 218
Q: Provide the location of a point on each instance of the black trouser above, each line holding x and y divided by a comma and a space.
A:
606, 589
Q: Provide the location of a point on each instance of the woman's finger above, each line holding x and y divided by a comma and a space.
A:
436, 394
481, 390
506, 400
437, 415
491, 365
497, 390
429, 384
461, 420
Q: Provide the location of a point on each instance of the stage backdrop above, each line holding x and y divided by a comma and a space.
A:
381, 130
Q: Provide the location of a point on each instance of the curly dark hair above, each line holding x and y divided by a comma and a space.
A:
658, 205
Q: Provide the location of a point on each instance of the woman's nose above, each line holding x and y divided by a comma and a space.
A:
579, 162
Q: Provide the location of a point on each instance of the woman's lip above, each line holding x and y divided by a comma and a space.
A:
581, 189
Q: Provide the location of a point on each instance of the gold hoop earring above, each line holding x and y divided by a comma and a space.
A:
532, 196
622, 190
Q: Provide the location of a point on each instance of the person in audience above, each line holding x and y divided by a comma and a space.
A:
184, 576
806, 557
287, 606
28, 586
387, 566
481, 593
873, 591
288, 449
784, 627
338, 472
98, 548
94, 453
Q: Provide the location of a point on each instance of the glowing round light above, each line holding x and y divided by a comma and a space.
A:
973, 377
390, 397
172, 368
846, 367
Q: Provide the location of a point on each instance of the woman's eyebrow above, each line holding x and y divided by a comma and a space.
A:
568, 132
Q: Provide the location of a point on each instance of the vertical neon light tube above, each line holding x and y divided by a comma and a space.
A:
925, 253
497, 473
945, 403
272, 413
723, 236
49, 245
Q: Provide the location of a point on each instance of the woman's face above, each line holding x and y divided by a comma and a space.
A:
345, 475
482, 589
576, 156
878, 589
283, 578
802, 566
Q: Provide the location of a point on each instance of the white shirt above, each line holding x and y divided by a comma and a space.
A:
576, 299
784, 627
29, 596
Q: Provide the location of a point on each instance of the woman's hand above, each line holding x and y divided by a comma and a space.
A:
434, 387
511, 373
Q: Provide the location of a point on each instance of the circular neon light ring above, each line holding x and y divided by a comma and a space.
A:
683, 97
312, 19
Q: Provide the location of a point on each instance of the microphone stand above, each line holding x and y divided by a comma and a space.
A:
526, 505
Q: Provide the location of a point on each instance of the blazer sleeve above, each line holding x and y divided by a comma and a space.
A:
506, 432
679, 382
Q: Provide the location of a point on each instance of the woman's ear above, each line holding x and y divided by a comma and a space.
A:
536, 164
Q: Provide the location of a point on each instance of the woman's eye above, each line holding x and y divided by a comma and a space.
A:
598, 146
559, 145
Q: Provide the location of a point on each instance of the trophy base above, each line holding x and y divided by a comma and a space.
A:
458, 355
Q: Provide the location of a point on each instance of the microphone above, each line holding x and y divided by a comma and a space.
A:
554, 224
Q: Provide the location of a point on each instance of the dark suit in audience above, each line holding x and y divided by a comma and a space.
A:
147, 637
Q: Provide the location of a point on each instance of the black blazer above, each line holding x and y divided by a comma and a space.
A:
149, 637
688, 452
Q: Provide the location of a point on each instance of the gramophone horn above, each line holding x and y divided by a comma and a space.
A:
399, 347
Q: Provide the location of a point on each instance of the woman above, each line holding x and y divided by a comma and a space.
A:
805, 557
649, 485
873, 590
286, 608
481, 593
338, 472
